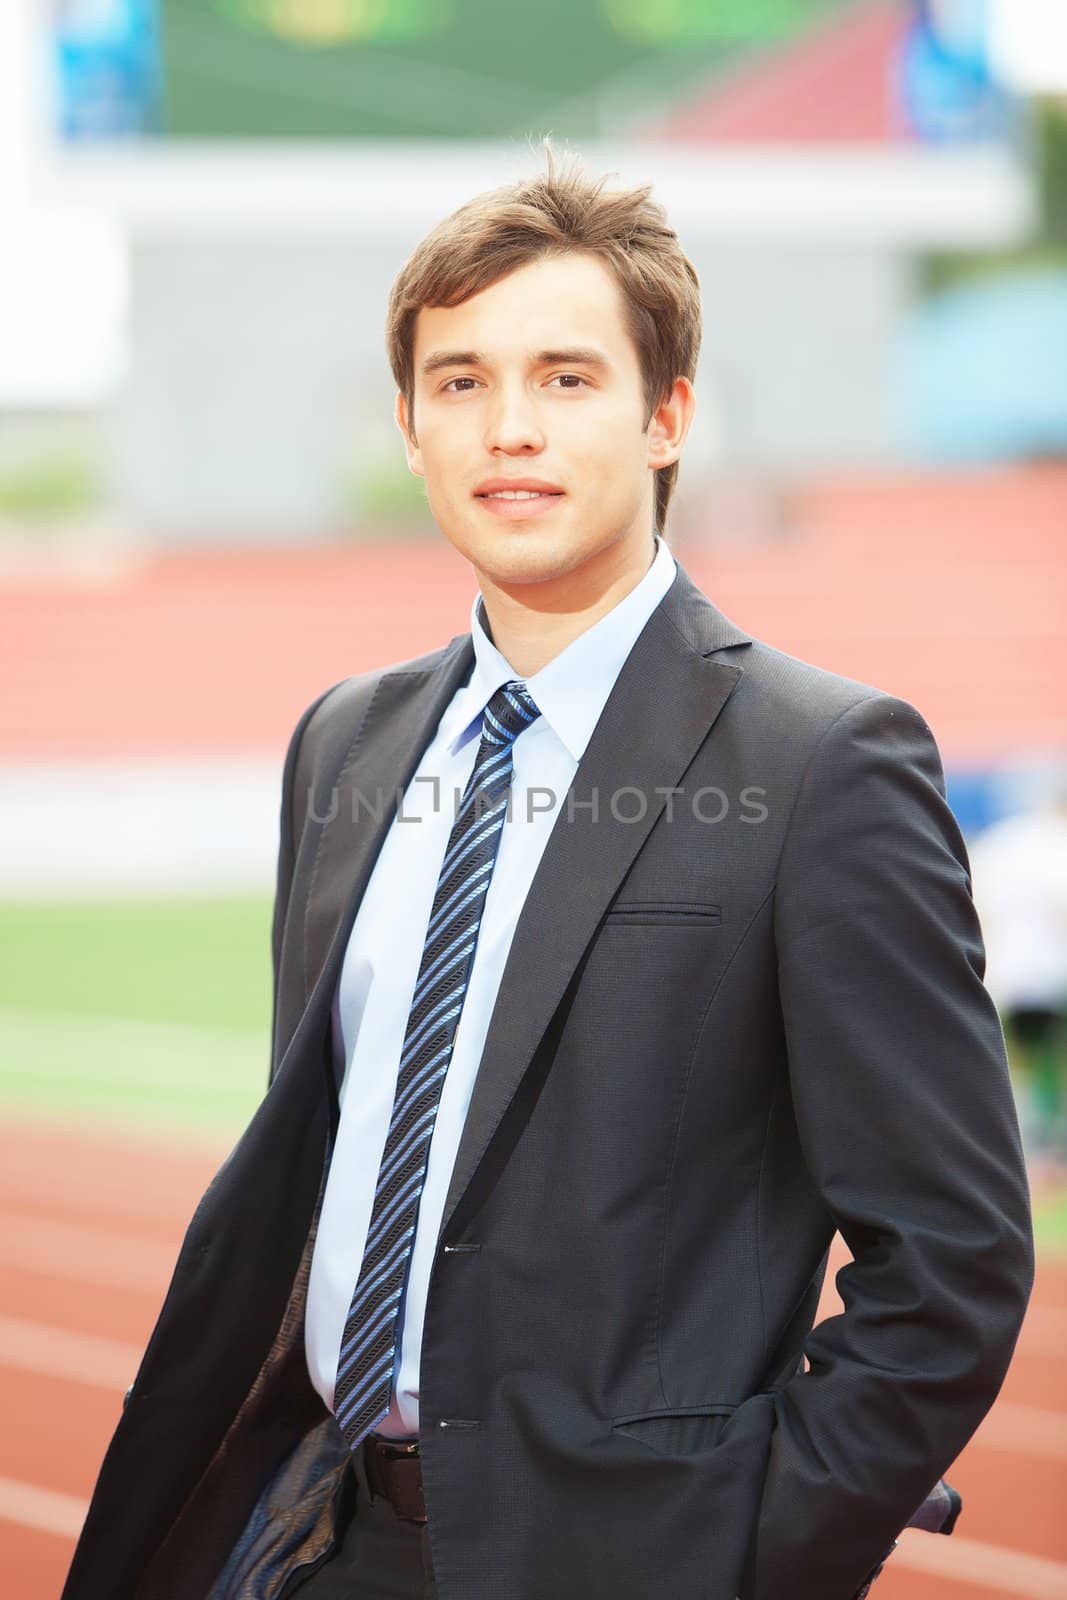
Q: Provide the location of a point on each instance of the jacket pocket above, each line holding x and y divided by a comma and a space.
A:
676, 1430
681, 912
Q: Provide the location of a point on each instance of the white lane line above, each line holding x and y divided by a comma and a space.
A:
43, 1510
57, 1353
56, 1157
992, 1567
1028, 1429
85, 1255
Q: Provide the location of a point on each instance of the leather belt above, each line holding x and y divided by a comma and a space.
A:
394, 1471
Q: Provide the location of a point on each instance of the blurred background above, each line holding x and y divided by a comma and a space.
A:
206, 519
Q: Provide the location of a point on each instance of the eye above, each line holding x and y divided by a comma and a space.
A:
572, 375
451, 381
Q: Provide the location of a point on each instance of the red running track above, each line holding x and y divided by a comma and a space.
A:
943, 588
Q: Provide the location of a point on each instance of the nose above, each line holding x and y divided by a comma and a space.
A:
512, 424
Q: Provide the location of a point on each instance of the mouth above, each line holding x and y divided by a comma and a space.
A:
517, 504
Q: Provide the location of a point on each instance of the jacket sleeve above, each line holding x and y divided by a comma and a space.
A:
907, 1122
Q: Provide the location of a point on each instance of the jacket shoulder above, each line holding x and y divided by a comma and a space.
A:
798, 694
344, 703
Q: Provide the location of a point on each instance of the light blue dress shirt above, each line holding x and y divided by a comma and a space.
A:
381, 963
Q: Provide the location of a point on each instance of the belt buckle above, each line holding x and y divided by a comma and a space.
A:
394, 1449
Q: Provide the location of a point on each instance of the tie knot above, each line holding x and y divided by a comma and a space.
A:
509, 710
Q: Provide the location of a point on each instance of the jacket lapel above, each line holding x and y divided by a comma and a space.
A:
397, 726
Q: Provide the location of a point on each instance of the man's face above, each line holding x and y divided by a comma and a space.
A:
536, 380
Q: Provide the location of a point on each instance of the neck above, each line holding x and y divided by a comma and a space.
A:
531, 623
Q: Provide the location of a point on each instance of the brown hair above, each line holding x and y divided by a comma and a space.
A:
506, 228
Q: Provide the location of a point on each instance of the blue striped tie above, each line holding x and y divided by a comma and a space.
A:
368, 1344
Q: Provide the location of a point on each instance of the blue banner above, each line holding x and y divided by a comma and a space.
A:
106, 60
947, 92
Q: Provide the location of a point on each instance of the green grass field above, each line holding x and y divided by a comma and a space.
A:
150, 1013
155, 1015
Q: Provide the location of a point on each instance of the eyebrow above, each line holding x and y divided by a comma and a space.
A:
575, 356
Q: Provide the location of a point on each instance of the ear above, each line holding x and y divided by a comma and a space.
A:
411, 448
669, 424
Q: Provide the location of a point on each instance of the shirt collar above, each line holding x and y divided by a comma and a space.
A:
572, 689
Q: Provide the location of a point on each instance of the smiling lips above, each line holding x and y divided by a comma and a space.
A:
517, 497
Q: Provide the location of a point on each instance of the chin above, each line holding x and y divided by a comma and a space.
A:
525, 558
520, 553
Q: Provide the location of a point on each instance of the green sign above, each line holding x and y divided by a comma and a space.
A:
324, 23
719, 21
453, 69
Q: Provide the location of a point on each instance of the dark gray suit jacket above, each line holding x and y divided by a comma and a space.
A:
743, 1007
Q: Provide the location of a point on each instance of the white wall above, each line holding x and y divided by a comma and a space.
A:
63, 268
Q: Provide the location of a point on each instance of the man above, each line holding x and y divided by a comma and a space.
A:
664, 967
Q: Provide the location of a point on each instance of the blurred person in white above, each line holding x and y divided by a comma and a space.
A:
508, 1290
1019, 876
